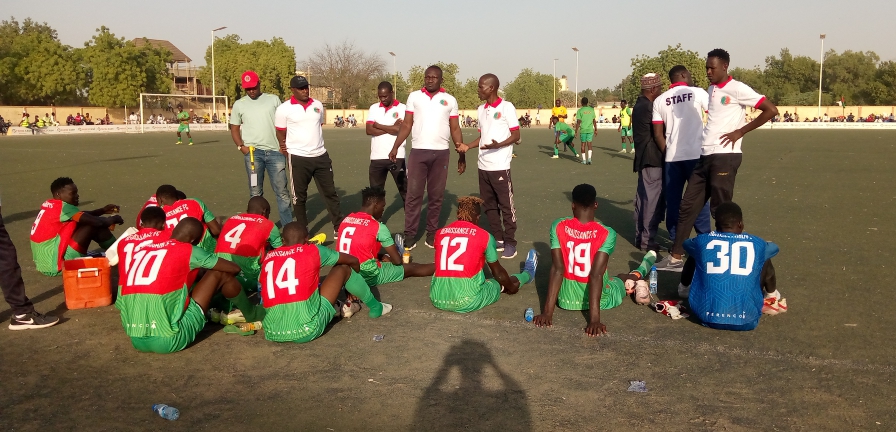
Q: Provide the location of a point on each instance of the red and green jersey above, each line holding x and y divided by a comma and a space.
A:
579, 242
362, 236
132, 244
51, 233
462, 249
190, 207
243, 239
289, 279
154, 292
151, 202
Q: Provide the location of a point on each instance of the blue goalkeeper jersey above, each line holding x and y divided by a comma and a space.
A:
726, 288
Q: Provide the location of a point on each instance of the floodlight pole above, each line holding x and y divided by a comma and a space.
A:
394, 72
214, 104
820, 71
577, 77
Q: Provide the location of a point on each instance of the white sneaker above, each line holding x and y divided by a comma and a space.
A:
350, 308
555, 157
632, 151
623, 151
386, 308
642, 292
684, 290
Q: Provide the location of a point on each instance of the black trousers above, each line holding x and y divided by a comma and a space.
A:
496, 191
380, 168
11, 275
319, 168
713, 181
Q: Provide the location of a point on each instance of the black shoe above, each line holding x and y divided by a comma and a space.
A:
430, 240
32, 320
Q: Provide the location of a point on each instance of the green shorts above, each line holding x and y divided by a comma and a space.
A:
70, 254
586, 136
386, 273
187, 328
183, 128
310, 330
248, 280
626, 131
489, 292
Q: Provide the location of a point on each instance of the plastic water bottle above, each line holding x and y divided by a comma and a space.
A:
653, 277
166, 412
249, 326
530, 314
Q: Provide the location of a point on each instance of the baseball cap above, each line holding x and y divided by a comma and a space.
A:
298, 81
249, 79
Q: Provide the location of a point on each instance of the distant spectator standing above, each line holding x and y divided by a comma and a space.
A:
298, 122
132, 119
648, 163
252, 126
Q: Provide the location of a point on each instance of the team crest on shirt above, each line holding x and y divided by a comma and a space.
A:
443, 102
317, 110
395, 115
726, 100
497, 115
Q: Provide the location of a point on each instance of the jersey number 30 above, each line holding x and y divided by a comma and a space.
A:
733, 262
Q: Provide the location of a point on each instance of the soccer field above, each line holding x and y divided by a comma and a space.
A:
827, 364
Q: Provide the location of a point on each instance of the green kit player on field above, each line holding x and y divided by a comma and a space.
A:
462, 251
297, 310
580, 250
362, 236
586, 125
183, 118
62, 232
563, 134
625, 126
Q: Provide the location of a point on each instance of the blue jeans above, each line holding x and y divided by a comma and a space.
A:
676, 176
274, 163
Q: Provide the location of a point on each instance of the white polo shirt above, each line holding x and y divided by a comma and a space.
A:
681, 110
431, 115
727, 109
495, 123
302, 124
381, 146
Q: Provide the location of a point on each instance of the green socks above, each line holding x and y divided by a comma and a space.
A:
556, 151
108, 243
646, 264
522, 277
357, 286
250, 311
571, 147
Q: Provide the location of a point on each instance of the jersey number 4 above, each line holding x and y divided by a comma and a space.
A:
449, 263
233, 236
286, 277
733, 262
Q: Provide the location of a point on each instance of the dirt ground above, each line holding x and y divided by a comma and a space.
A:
827, 364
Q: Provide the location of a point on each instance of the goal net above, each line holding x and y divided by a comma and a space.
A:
160, 109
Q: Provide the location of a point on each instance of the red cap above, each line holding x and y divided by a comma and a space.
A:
249, 79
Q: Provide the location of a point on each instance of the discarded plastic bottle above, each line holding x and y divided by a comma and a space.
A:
530, 314
406, 257
166, 412
653, 277
249, 326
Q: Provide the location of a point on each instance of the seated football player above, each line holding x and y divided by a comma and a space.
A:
243, 241
729, 278
152, 223
580, 251
362, 236
462, 251
62, 232
296, 309
176, 208
159, 310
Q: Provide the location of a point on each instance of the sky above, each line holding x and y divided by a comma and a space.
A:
496, 36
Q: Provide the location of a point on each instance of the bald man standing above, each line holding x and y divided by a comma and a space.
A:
649, 166
499, 130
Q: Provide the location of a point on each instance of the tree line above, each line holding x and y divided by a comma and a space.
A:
37, 69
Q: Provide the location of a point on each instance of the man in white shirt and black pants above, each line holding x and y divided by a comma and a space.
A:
499, 130
678, 131
714, 175
298, 122
383, 123
432, 120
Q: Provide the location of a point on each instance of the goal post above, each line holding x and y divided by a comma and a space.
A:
164, 107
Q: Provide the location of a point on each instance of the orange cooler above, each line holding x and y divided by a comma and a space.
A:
87, 283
